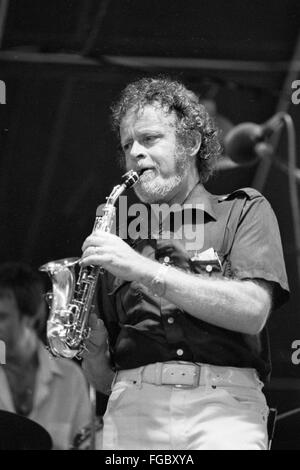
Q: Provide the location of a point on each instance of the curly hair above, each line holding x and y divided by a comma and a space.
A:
192, 116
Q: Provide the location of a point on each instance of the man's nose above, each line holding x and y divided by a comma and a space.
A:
137, 150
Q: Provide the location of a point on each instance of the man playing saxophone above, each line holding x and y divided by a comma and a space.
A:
182, 343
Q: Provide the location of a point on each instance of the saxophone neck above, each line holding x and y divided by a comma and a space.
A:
129, 179
104, 220
105, 214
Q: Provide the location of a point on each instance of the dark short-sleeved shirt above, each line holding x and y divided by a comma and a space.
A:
242, 230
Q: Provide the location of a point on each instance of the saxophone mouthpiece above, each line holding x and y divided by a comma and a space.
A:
130, 178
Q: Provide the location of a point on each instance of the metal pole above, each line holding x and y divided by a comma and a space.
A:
284, 102
93, 400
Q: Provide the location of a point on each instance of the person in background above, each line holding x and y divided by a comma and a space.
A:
52, 392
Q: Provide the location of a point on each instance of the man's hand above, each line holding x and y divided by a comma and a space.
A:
113, 254
96, 361
97, 340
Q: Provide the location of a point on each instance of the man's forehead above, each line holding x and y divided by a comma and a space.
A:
149, 114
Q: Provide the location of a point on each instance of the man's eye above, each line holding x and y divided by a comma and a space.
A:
126, 146
150, 138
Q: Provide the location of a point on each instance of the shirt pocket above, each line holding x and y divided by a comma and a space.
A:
209, 263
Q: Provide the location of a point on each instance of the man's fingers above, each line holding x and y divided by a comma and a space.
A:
95, 238
97, 338
94, 321
98, 334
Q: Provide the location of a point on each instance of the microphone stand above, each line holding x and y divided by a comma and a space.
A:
257, 143
266, 152
93, 399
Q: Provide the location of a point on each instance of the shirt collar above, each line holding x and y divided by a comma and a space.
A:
199, 195
47, 370
48, 365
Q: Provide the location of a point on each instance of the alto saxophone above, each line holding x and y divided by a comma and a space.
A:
71, 301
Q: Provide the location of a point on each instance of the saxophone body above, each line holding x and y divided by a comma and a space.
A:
71, 300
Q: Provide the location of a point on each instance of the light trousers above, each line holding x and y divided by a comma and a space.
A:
145, 416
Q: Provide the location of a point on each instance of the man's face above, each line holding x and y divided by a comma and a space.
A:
12, 324
148, 139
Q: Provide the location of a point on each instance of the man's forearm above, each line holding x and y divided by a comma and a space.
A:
241, 306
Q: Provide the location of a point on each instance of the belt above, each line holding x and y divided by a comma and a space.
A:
183, 374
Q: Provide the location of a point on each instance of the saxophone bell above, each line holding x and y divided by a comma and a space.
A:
62, 274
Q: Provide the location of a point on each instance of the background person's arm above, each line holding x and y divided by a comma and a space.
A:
96, 360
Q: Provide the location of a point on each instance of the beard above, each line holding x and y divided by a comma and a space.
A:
154, 188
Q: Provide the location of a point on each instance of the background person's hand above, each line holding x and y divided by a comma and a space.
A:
97, 340
96, 361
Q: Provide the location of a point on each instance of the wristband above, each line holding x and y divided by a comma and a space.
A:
158, 285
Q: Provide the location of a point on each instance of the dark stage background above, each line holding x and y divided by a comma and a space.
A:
65, 61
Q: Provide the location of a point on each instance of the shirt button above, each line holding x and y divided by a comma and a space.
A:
171, 320
179, 352
166, 259
209, 268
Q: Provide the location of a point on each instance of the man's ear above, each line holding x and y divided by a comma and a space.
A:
196, 141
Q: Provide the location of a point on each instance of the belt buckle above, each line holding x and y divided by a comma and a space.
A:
170, 375
196, 378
